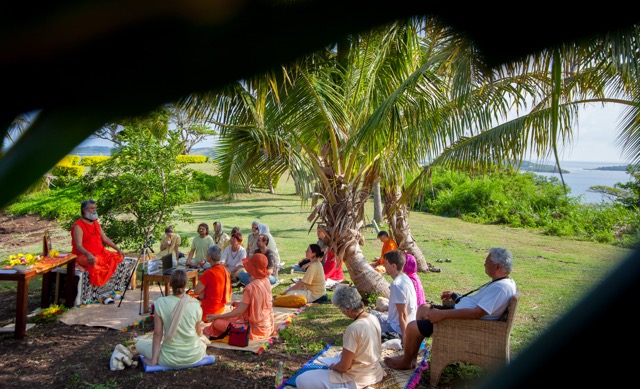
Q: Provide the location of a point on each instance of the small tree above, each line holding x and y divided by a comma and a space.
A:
140, 188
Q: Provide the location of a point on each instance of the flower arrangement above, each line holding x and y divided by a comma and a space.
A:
50, 314
23, 259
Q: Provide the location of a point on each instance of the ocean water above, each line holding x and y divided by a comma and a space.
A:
581, 177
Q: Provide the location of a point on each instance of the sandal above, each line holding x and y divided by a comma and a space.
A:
434, 269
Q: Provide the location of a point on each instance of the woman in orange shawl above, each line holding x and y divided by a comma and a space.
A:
255, 307
88, 241
214, 285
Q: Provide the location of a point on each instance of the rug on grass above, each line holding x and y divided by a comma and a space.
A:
393, 379
207, 360
282, 318
121, 318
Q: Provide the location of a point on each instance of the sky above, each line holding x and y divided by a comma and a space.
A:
594, 140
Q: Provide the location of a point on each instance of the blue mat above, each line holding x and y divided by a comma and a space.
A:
208, 360
311, 365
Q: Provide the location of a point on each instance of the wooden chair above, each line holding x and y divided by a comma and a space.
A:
484, 343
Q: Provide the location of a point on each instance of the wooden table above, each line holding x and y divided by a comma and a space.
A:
151, 278
23, 288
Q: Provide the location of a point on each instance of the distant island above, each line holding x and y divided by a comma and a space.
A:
621, 168
105, 150
540, 168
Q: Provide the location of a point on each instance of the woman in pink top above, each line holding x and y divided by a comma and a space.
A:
410, 269
255, 307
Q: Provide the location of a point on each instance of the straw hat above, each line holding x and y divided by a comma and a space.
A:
256, 266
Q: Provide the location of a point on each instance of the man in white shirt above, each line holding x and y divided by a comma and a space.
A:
486, 303
233, 255
402, 297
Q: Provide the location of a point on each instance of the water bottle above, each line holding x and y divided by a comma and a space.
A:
279, 374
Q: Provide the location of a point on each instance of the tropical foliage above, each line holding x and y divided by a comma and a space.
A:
413, 94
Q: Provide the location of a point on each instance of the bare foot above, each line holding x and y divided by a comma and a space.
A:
397, 363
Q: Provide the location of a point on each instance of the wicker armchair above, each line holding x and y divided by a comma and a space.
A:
483, 343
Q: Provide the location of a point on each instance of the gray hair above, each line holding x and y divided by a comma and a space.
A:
215, 252
85, 204
255, 223
347, 298
502, 257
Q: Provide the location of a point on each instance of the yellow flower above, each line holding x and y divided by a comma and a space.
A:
21, 259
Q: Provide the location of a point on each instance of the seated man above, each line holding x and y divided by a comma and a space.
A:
388, 244
402, 306
88, 242
489, 303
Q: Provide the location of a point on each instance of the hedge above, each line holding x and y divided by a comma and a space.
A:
192, 158
67, 171
73, 160
93, 160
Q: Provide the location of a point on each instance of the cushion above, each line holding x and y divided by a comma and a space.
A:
207, 360
289, 301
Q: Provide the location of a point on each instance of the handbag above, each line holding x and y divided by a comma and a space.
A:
238, 334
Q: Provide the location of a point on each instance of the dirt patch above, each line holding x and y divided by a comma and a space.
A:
63, 356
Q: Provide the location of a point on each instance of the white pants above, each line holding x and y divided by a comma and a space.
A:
320, 379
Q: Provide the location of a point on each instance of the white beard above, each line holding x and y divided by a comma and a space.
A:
91, 216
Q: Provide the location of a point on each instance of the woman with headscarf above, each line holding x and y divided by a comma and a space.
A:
252, 238
255, 307
410, 269
263, 229
220, 237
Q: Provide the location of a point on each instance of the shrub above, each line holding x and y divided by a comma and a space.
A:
94, 160
202, 186
68, 171
192, 158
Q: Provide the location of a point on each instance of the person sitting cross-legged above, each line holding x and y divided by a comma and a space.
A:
177, 328
487, 303
262, 242
388, 244
402, 306
88, 242
359, 364
312, 285
233, 255
256, 306
214, 285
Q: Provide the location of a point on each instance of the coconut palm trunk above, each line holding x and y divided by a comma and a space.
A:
342, 211
398, 216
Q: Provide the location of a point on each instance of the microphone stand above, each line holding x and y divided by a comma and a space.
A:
143, 254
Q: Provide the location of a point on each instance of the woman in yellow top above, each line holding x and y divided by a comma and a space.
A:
312, 285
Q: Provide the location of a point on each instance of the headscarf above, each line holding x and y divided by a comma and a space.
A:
263, 229
410, 268
256, 266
